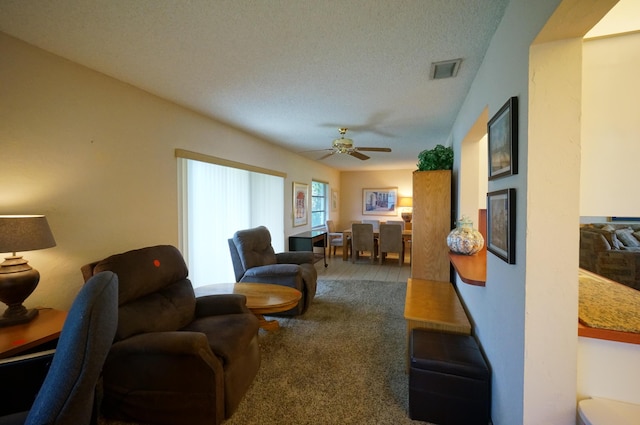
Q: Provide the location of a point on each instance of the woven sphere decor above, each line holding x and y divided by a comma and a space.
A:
464, 239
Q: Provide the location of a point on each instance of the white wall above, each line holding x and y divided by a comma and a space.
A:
472, 175
610, 127
498, 310
608, 369
610, 130
525, 317
96, 156
352, 183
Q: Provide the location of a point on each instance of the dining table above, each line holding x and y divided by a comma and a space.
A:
346, 237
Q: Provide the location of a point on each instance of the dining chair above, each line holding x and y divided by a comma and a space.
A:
374, 223
390, 240
362, 240
400, 222
406, 241
336, 239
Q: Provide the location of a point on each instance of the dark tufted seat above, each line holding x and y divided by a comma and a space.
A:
254, 260
175, 358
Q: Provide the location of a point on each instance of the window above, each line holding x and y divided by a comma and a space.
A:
319, 203
216, 201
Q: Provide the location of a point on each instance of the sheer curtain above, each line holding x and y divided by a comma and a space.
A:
216, 202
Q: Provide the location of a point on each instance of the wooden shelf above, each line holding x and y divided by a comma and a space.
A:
609, 335
472, 269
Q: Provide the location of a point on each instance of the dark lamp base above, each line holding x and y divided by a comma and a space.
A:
12, 320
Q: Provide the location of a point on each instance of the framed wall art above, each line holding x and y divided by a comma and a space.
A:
334, 200
502, 130
501, 224
300, 203
380, 201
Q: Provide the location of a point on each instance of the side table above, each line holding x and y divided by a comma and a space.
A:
305, 241
26, 352
45, 327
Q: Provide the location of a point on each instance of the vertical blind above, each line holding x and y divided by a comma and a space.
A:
216, 201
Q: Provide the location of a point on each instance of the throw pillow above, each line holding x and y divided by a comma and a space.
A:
626, 237
609, 235
608, 228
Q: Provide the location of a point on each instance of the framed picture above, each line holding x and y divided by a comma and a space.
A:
300, 203
503, 141
380, 201
334, 200
501, 224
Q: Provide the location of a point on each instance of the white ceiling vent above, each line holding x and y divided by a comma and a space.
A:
444, 69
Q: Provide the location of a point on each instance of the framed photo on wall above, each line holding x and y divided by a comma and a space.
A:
334, 200
380, 201
300, 203
502, 130
501, 224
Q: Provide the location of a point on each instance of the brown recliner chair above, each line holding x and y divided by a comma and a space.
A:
175, 358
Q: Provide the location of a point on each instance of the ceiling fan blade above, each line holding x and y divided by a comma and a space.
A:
374, 149
326, 156
358, 155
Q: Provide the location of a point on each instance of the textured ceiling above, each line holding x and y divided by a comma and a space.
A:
289, 71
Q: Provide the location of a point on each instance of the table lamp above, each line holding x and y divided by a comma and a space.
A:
407, 209
17, 278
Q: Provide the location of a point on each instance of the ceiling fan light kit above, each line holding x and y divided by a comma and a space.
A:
344, 145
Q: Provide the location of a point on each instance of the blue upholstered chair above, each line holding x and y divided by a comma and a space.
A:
255, 261
67, 395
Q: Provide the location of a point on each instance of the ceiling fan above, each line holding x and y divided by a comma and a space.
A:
344, 145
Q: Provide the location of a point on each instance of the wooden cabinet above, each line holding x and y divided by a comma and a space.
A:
431, 225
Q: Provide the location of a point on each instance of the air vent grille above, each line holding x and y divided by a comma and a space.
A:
444, 69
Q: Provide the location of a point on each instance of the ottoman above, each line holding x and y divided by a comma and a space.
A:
449, 381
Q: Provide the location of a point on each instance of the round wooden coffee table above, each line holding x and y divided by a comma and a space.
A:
262, 298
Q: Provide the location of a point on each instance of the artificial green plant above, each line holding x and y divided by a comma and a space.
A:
438, 158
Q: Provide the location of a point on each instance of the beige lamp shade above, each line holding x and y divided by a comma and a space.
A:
406, 202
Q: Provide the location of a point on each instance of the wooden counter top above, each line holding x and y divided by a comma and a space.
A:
434, 305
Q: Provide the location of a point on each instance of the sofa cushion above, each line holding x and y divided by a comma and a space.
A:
609, 234
625, 236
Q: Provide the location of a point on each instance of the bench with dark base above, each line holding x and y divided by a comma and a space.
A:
449, 381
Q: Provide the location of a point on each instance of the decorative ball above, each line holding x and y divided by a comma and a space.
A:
464, 239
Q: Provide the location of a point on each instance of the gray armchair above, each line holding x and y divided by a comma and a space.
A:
254, 260
67, 395
176, 358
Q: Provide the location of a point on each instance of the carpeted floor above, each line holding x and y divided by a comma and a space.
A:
342, 362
